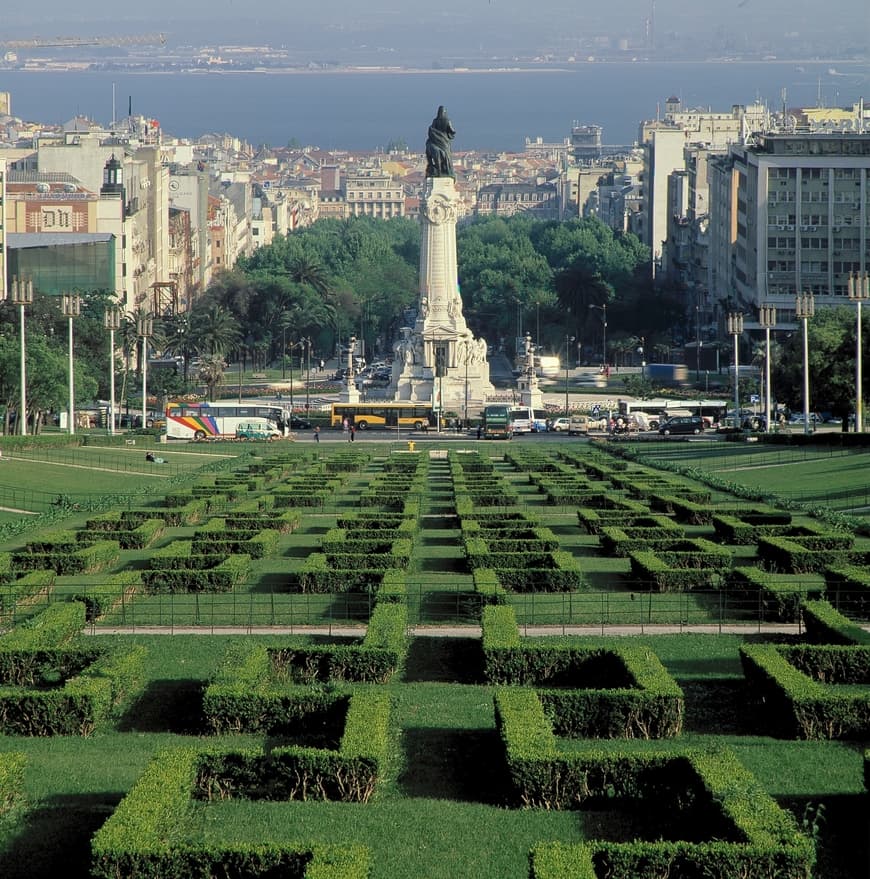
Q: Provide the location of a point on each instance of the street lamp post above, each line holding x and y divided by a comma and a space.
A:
291, 383
568, 340
283, 350
767, 319
71, 305
603, 309
22, 294
144, 328
307, 374
735, 328
859, 290
112, 322
804, 309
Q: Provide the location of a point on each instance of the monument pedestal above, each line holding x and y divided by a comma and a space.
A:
438, 360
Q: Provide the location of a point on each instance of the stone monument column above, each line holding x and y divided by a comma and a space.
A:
439, 360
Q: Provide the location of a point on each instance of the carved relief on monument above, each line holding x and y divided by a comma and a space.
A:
438, 209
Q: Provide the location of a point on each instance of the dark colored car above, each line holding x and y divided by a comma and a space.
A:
297, 423
682, 424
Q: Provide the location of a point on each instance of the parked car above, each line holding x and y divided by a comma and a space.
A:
255, 430
682, 424
560, 424
578, 424
297, 423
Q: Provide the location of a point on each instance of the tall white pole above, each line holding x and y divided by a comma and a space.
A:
806, 375
144, 325
859, 290
735, 328
859, 391
72, 399
112, 321
22, 294
767, 319
22, 415
71, 307
804, 310
767, 379
112, 381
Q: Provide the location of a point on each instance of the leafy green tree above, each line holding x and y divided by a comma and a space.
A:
831, 337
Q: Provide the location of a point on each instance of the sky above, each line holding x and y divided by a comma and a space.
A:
448, 26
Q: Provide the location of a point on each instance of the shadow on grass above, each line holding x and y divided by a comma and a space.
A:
459, 608
450, 764
444, 660
839, 826
54, 839
716, 707
172, 706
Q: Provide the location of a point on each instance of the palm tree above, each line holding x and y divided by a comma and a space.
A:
213, 331
306, 270
211, 374
177, 339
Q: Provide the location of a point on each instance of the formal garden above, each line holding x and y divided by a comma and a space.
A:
561, 661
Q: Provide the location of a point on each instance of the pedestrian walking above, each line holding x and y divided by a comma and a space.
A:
344, 425
352, 433
317, 434
321, 365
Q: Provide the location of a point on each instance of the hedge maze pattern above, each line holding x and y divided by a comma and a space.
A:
556, 699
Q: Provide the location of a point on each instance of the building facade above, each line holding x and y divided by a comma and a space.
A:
790, 215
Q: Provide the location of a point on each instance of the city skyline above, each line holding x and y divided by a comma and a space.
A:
388, 31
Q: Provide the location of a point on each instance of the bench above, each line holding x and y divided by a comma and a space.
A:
129, 442
258, 375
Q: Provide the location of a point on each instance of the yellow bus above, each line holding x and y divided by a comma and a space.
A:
413, 416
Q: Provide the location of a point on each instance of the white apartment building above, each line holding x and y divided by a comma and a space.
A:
790, 214
663, 142
373, 193
133, 205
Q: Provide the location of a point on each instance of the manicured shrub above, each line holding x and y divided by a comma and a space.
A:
26, 586
796, 706
731, 826
779, 596
825, 625
612, 689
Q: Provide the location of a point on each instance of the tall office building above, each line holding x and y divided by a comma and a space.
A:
789, 213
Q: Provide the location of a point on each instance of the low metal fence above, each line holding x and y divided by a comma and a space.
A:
431, 605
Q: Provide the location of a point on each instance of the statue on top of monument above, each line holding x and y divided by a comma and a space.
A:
439, 160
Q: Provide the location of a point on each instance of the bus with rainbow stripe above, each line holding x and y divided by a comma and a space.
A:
219, 420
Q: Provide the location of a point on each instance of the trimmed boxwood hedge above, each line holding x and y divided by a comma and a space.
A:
26, 586
93, 680
74, 559
792, 555
318, 575
610, 688
825, 625
780, 596
220, 576
706, 793
690, 564
101, 597
849, 587
145, 836
796, 706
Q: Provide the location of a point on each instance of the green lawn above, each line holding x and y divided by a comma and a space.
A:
834, 477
